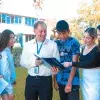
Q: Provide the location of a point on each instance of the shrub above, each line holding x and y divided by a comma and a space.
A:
16, 55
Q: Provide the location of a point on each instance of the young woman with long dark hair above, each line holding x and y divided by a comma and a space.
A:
7, 69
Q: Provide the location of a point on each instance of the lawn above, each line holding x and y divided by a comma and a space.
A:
19, 87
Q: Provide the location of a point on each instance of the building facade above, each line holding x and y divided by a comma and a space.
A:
22, 26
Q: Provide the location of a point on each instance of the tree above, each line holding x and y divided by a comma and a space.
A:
90, 13
38, 4
76, 29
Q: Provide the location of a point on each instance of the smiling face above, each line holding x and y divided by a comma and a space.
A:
88, 40
11, 40
40, 32
90, 36
7, 39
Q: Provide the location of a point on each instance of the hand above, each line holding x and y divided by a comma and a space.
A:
38, 62
14, 83
67, 64
11, 97
54, 70
68, 88
55, 85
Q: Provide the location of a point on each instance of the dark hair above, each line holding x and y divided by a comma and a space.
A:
92, 32
62, 26
98, 27
4, 38
39, 23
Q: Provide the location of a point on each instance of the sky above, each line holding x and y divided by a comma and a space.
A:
52, 9
61, 8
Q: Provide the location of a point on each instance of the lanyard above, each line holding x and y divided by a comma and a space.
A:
39, 49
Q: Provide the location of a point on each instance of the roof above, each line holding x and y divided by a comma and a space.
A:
18, 7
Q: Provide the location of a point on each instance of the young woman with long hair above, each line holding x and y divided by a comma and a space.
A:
7, 68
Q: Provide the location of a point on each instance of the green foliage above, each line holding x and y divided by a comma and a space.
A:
90, 13
16, 55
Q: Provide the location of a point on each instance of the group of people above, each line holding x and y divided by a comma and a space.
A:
41, 77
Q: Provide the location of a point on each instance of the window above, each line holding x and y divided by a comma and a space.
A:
12, 19
33, 36
29, 37
20, 19
3, 18
26, 39
8, 19
27, 21
30, 21
0, 18
16, 19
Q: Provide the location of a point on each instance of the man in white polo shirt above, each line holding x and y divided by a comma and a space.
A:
39, 79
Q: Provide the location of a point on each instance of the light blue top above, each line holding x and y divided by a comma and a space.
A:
7, 68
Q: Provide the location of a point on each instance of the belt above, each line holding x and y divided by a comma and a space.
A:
40, 77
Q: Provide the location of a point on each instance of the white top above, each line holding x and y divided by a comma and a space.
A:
48, 50
3, 85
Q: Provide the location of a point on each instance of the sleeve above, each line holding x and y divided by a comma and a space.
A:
56, 52
4, 65
92, 64
27, 59
75, 47
9, 89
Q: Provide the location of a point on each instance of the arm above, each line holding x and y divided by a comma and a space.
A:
75, 52
4, 64
89, 64
68, 86
27, 58
55, 84
73, 71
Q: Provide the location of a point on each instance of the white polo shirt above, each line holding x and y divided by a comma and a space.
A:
49, 49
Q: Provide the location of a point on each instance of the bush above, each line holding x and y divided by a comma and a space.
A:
16, 55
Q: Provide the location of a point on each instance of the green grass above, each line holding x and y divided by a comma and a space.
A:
19, 87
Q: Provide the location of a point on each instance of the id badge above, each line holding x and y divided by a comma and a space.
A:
36, 70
